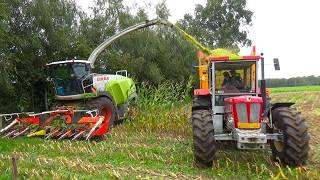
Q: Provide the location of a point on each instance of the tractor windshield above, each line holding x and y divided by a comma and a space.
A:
67, 77
235, 77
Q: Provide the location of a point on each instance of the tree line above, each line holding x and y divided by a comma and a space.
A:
296, 81
36, 32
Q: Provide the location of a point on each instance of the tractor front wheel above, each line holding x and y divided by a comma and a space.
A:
203, 138
293, 149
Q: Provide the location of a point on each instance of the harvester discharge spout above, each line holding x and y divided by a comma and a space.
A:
93, 56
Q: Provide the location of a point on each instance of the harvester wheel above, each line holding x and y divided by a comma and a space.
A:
203, 138
293, 149
106, 108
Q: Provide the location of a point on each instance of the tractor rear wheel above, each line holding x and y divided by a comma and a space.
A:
105, 107
293, 149
203, 138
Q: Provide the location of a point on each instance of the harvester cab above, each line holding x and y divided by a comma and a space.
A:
231, 106
70, 77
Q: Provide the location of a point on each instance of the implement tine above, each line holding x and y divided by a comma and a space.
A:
16, 121
95, 127
80, 134
33, 130
51, 134
68, 133
41, 132
73, 134
10, 133
21, 132
58, 133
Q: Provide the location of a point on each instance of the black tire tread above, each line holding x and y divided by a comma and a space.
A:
296, 138
203, 138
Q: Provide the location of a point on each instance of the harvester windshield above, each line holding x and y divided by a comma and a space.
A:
235, 77
67, 77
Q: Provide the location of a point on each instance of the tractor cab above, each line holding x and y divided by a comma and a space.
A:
232, 85
235, 77
224, 77
69, 77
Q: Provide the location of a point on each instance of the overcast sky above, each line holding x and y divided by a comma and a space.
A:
287, 29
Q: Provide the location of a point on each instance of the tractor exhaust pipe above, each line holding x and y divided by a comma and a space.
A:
263, 84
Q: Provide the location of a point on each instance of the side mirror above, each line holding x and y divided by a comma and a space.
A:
121, 72
276, 64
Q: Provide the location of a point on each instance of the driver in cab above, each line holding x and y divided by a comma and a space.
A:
231, 83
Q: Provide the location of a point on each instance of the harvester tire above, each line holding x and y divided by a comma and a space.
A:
293, 150
106, 107
203, 138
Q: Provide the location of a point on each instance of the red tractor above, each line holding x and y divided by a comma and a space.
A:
230, 106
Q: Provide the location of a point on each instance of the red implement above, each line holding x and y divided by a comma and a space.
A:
62, 124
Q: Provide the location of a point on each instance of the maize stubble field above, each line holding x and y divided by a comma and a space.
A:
156, 142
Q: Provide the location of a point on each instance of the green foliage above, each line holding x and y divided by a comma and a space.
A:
296, 81
220, 23
37, 32
163, 108
166, 94
162, 10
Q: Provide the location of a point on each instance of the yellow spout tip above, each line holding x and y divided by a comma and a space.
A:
38, 133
